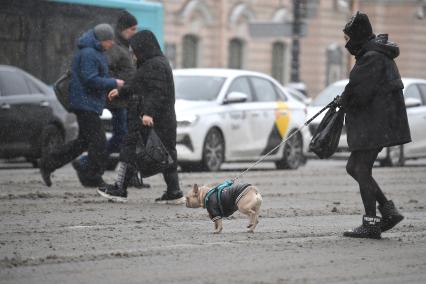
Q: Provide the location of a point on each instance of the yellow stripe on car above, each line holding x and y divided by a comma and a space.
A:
282, 118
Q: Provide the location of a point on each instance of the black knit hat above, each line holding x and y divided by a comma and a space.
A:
125, 21
358, 28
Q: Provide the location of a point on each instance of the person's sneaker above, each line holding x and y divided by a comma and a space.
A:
174, 199
370, 229
390, 216
112, 192
45, 172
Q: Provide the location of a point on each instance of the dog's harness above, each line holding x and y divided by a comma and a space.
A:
218, 189
222, 200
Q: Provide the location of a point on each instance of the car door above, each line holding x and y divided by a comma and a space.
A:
417, 121
266, 116
238, 141
24, 110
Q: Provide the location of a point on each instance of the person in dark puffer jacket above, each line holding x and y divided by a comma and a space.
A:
89, 85
375, 118
152, 104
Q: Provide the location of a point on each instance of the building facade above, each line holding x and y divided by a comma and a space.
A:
217, 33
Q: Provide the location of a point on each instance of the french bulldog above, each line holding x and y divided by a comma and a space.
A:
242, 197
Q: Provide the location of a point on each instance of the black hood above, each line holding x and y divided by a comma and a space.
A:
380, 44
145, 46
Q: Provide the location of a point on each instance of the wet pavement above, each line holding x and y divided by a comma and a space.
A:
69, 234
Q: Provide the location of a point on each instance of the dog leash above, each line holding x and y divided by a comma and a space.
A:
237, 177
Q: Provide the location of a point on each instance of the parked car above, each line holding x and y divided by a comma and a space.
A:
226, 115
415, 101
31, 118
298, 95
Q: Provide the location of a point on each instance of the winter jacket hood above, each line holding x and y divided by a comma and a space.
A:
380, 44
88, 39
145, 46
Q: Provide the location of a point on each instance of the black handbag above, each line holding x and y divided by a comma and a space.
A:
151, 156
326, 138
61, 88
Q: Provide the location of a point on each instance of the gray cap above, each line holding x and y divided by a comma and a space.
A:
104, 32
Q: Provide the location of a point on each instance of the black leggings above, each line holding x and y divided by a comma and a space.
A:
360, 166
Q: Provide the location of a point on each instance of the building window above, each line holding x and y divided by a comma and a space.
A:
190, 51
278, 61
235, 54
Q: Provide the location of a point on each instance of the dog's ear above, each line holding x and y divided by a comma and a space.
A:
195, 188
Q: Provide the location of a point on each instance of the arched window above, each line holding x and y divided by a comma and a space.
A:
235, 54
279, 61
190, 51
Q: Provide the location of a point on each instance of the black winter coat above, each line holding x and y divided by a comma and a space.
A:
151, 92
373, 100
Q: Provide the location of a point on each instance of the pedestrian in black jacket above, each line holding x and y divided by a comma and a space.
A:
375, 118
152, 98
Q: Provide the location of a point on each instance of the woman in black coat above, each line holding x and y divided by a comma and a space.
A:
375, 118
151, 96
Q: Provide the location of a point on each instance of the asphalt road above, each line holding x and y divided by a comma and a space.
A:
68, 234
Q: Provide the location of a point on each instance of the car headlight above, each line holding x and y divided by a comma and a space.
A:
187, 120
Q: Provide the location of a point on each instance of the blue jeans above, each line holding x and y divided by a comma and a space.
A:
119, 130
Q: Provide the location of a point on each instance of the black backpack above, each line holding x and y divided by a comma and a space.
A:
61, 88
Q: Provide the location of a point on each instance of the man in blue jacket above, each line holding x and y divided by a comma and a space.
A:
89, 86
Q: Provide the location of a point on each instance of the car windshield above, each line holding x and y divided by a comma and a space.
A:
328, 94
198, 88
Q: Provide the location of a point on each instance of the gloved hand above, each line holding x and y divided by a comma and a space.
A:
337, 102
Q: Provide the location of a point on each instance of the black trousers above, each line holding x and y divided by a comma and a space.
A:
359, 166
91, 138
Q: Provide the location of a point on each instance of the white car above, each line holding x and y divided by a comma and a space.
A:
415, 101
226, 115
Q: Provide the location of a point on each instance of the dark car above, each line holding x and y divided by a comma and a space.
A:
31, 118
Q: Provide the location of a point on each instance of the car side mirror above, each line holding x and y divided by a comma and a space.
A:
235, 97
412, 102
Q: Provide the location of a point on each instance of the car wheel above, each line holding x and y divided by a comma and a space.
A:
213, 150
293, 154
51, 138
394, 157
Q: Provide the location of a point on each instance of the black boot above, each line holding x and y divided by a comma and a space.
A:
173, 195
118, 190
370, 228
390, 216
45, 172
